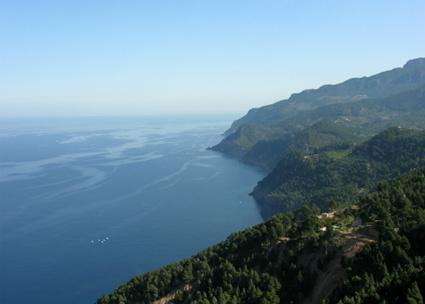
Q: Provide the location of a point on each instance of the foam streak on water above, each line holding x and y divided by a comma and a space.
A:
86, 204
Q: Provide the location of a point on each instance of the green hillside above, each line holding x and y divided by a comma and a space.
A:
364, 118
245, 138
355, 149
267, 153
371, 252
337, 174
369, 116
409, 77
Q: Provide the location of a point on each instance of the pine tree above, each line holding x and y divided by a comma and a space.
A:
414, 295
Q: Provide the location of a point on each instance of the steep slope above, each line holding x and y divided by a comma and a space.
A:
410, 76
243, 140
372, 252
369, 116
367, 105
338, 175
364, 118
267, 153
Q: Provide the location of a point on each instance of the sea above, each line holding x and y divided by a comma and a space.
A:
87, 203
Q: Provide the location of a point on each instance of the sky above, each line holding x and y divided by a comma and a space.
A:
88, 58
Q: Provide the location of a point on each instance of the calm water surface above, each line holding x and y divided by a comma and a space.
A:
85, 204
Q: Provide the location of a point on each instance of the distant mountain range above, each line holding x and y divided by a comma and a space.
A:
368, 105
409, 77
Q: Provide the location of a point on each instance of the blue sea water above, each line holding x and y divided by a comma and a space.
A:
85, 204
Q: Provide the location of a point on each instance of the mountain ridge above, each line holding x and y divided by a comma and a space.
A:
366, 117
383, 84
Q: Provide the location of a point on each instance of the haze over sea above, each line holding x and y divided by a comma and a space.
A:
87, 203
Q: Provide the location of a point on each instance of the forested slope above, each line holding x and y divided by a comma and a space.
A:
337, 174
363, 118
335, 149
370, 252
325, 133
392, 82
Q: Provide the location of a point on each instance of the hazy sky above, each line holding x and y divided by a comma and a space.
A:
150, 57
